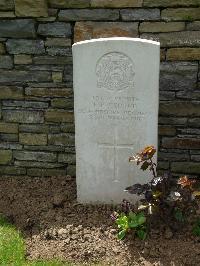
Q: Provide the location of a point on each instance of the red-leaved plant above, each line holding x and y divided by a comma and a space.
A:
162, 199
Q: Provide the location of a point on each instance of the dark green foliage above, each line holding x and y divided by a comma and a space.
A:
135, 221
162, 199
196, 228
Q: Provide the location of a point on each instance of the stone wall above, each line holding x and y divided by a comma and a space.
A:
36, 95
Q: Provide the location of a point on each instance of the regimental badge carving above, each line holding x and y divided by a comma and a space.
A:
115, 71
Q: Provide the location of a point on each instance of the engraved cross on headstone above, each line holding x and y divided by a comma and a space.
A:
115, 146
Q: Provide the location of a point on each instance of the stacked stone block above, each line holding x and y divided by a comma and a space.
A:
36, 86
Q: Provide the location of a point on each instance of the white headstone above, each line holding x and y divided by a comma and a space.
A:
116, 114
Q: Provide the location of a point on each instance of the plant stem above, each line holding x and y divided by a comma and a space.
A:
152, 168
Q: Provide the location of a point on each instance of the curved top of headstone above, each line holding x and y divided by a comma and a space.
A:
136, 40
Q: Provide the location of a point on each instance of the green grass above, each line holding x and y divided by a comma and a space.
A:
12, 248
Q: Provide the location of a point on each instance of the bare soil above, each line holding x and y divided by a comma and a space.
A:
54, 225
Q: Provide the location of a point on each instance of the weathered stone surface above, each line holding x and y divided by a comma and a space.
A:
11, 146
166, 131
51, 92
188, 95
186, 168
52, 60
9, 137
110, 115
62, 103
140, 14
69, 3
195, 25
34, 156
49, 148
183, 54
56, 29
88, 14
9, 14
46, 172
92, 30
182, 108
35, 128
7, 5
162, 54
169, 156
59, 116
189, 131
67, 128
43, 165
57, 76
12, 170
71, 170
11, 92
6, 62
70, 149
161, 26
21, 77
181, 143
32, 139
67, 158
166, 3
61, 139
163, 165
64, 42
48, 19
194, 122
175, 39
60, 51
5, 156
39, 68
18, 28
178, 76
172, 121
22, 59
167, 95
195, 158
25, 46
28, 117
116, 3
8, 128
195, 152
68, 75
29, 8
187, 14
26, 104
2, 48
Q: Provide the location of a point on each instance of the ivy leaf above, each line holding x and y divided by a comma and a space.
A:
121, 234
142, 234
179, 215
122, 222
137, 189
156, 194
141, 219
196, 193
145, 166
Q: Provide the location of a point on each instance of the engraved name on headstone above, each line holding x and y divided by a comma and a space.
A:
116, 113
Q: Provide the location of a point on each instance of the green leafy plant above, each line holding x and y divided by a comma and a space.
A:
196, 228
161, 199
134, 221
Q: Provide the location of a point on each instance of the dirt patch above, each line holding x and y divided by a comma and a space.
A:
56, 226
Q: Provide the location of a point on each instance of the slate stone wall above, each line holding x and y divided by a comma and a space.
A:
36, 89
